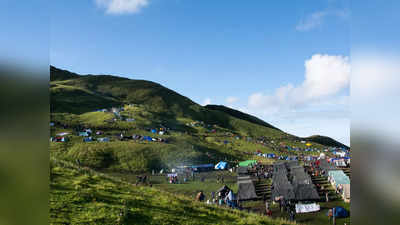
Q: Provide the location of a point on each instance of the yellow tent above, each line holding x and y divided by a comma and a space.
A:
308, 144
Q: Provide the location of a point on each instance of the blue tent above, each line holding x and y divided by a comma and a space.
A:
270, 155
341, 212
221, 165
87, 139
153, 131
147, 138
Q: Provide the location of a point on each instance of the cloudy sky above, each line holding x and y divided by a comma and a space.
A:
286, 62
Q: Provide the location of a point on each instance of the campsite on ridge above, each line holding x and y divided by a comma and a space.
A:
126, 146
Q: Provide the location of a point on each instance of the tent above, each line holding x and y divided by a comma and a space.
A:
203, 167
221, 165
87, 139
246, 190
59, 139
248, 163
270, 155
153, 131
341, 212
147, 138
224, 190
105, 139
84, 134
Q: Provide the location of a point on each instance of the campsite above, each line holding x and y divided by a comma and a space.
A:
126, 151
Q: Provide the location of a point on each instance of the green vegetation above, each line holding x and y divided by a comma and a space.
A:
80, 196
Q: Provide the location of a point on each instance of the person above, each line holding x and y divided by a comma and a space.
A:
292, 214
230, 199
200, 196
326, 196
266, 207
330, 215
283, 203
212, 195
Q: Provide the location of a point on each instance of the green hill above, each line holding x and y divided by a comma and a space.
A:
239, 115
323, 140
82, 196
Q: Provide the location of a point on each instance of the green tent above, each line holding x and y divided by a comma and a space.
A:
247, 163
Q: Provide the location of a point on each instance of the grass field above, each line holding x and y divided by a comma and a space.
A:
82, 196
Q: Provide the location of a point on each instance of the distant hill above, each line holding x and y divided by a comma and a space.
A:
327, 141
240, 115
58, 74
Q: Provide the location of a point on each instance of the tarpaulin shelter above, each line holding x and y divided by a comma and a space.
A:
248, 163
305, 192
337, 177
241, 170
221, 165
285, 191
292, 164
246, 190
270, 155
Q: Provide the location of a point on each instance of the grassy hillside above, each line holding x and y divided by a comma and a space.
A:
239, 115
82, 196
323, 140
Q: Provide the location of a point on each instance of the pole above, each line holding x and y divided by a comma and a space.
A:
333, 215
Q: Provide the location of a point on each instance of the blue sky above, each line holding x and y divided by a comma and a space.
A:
284, 62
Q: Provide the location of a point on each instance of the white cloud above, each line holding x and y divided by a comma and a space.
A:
231, 100
316, 19
122, 6
206, 101
325, 76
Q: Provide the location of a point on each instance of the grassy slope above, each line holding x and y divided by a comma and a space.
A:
240, 115
85, 197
